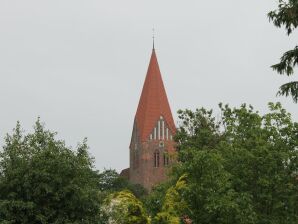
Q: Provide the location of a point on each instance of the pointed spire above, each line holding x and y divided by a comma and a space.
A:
153, 102
153, 37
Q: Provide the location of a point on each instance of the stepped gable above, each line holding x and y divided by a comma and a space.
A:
153, 102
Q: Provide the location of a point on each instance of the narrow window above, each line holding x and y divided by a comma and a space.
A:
158, 129
150, 137
155, 133
167, 134
163, 129
165, 159
156, 159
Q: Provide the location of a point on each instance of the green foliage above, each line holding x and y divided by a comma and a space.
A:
241, 169
123, 208
43, 181
289, 89
210, 195
287, 15
174, 205
153, 202
110, 181
197, 129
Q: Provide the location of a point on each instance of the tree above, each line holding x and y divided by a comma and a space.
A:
153, 202
240, 169
43, 181
123, 207
110, 181
174, 206
287, 15
209, 195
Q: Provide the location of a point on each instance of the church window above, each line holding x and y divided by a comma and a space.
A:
158, 129
165, 159
167, 134
156, 158
163, 129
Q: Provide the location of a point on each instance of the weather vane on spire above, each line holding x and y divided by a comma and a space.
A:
153, 36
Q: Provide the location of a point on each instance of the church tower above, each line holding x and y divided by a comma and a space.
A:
152, 142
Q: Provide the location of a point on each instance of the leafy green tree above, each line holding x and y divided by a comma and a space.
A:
123, 208
240, 169
110, 181
43, 181
287, 15
174, 205
198, 129
210, 195
153, 202
262, 156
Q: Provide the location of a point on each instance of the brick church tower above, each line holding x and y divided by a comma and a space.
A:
152, 142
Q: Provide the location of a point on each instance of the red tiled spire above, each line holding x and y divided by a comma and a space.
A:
153, 102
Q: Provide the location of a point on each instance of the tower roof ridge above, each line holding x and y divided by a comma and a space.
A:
153, 101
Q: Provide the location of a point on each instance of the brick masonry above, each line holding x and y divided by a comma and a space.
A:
153, 130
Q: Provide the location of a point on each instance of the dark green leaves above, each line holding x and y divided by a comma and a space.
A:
287, 15
244, 170
288, 61
43, 181
289, 89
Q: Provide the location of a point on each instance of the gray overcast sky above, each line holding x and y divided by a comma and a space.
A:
80, 65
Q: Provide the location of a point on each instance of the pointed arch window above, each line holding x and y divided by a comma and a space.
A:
166, 158
156, 158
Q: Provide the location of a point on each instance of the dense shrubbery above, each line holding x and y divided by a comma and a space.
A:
123, 207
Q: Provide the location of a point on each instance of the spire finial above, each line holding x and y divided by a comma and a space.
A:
153, 37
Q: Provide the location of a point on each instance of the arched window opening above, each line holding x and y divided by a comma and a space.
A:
166, 159
156, 159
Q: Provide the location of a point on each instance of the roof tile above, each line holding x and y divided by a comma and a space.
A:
153, 101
